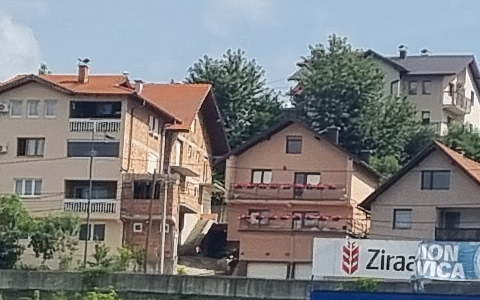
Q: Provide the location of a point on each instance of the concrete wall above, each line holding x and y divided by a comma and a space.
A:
146, 286
474, 116
407, 193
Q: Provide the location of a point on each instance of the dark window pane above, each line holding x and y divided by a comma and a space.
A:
143, 189
412, 87
441, 180
78, 189
452, 220
83, 232
101, 149
100, 110
294, 144
99, 232
426, 180
402, 218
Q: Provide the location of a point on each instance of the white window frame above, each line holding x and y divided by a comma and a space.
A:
90, 234
34, 184
38, 142
29, 102
402, 225
152, 163
20, 102
167, 227
135, 227
46, 104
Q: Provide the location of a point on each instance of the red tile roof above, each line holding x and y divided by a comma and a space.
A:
471, 167
96, 84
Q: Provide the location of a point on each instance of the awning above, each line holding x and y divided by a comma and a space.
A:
185, 171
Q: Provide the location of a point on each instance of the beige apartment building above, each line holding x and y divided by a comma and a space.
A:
50, 124
444, 88
286, 187
434, 197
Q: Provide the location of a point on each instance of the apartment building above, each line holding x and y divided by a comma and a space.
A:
59, 131
444, 88
433, 197
286, 187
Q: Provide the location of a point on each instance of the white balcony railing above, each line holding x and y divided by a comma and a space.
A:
88, 125
96, 206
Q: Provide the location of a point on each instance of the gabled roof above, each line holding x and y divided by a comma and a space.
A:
386, 60
434, 64
470, 167
265, 135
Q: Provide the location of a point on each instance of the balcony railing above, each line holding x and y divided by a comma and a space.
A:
88, 125
287, 192
458, 234
457, 103
96, 206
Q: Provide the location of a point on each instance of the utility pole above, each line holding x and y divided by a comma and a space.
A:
149, 228
90, 188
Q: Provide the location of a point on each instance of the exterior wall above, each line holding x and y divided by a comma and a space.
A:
407, 193
433, 102
361, 186
390, 75
474, 116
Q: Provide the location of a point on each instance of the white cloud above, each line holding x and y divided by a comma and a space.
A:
19, 49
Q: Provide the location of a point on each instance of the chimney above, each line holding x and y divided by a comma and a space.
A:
332, 134
365, 155
138, 86
402, 49
82, 73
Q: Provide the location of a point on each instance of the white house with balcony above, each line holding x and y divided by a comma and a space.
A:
444, 88
61, 133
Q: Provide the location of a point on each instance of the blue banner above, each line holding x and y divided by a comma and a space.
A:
448, 261
336, 295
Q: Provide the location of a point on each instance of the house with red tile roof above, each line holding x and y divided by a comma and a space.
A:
61, 132
433, 197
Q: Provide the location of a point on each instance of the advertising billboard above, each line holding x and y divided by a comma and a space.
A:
335, 295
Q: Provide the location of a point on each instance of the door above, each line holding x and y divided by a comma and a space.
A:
267, 270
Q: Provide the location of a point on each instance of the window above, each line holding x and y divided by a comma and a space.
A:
167, 227
294, 144
452, 220
435, 180
305, 178
78, 189
101, 148
412, 87
427, 87
189, 151
402, 218
50, 108
16, 108
197, 156
152, 163
204, 171
193, 127
98, 232
449, 120
33, 108
142, 189
451, 89
177, 153
98, 110
137, 227
28, 187
261, 176
154, 125
259, 217
394, 88
472, 97
305, 220
30, 146
425, 117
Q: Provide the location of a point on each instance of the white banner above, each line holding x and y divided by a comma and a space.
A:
364, 258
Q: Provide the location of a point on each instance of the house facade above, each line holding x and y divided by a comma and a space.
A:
286, 187
52, 123
432, 198
444, 88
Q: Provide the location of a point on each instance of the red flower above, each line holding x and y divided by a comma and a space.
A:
286, 186
250, 186
285, 217
273, 217
237, 186
262, 186
336, 218
332, 186
273, 186
320, 186
310, 186
323, 218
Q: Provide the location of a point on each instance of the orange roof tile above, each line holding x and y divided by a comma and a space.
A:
96, 84
181, 100
468, 165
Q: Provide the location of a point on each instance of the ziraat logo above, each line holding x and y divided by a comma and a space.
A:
350, 257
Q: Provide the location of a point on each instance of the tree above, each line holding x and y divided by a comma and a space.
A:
248, 106
44, 70
342, 87
464, 138
14, 224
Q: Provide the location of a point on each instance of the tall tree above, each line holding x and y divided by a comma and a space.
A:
343, 88
463, 138
248, 106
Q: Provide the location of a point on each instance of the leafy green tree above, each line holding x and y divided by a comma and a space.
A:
343, 88
101, 257
248, 106
14, 224
463, 138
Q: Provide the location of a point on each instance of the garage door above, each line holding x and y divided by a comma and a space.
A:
267, 270
303, 271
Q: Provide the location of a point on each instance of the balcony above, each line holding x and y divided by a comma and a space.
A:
103, 209
287, 192
458, 234
457, 103
88, 125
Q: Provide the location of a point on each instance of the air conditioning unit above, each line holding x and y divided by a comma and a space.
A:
3, 148
3, 108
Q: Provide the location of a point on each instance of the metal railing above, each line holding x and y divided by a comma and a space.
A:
457, 100
96, 206
88, 125
458, 234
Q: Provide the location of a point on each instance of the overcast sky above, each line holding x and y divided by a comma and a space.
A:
157, 40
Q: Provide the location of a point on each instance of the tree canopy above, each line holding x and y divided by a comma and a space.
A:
248, 106
465, 138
